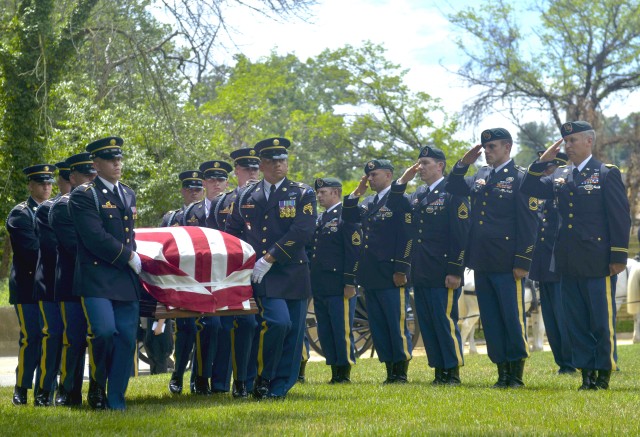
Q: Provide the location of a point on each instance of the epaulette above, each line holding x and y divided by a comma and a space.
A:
562, 166
122, 183
86, 186
520, 169
20, 206
611, 166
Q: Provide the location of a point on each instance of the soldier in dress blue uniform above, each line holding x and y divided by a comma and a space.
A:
50, 318
75, 325
548, 279
591, 248
384, 264
277, 217
437, 264
25, 245
240, 330
192, 191
500, 248
213, 353
106, 274
335, 253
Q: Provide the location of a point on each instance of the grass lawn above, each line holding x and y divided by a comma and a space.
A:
549, 404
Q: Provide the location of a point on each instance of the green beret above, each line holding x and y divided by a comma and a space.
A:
494, 134
376, 164
432, 152
328, 182
573, 127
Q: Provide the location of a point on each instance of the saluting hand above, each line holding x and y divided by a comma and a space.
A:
551, 152
409, 173
472, 155
361, 188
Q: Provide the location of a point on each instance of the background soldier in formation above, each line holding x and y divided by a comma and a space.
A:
25, 244
592, 246
442, 223
75, 325
335, 252
106, 275
50, 319
241, 330
192, 191
384, 264
502, 236
549, 278
277, 217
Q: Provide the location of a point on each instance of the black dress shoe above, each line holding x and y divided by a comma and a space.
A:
503, 375
19, 396
400, 369
516, 369
201, 386
602, 381
452, 376
301, 372
239, 389
63, 397
175, 384
391, 377
43, 399
261, 388
97, 396
344, 374
76, 397
439, 377
588, 380
334, 374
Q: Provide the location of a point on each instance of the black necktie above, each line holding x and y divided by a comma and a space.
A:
424, 194
576, 172
491, 175
376, 199
272, 189
116, 193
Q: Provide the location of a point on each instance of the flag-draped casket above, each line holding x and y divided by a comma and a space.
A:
196, 269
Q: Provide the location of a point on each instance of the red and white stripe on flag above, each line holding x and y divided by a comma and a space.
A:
194, 268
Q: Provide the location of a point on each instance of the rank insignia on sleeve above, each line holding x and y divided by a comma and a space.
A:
463, 211
307, 209
289, 243
356, 239
533, 203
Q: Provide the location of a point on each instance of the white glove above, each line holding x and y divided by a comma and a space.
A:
135, 263
260, 269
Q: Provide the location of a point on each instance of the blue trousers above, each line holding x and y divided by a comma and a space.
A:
207, 329
282, 324
437, 312
74, 345
555, 323
185, 338
112, 327
29, 342
221, 369
252, 365
590, 307
335, 328
387, 311
52, 329
241, 330
501, 303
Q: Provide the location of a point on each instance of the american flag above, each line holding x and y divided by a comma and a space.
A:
194, 268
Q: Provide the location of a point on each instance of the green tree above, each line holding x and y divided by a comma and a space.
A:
532, 137
580, 55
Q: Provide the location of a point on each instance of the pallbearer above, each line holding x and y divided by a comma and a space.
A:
25, 245
75, 325
106, 275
